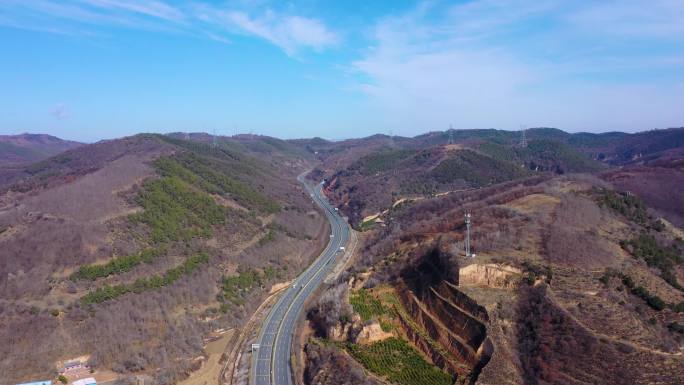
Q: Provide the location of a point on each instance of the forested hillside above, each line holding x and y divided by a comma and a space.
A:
105, 243
370, 175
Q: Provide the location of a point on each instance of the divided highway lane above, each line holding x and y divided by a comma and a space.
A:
271, 361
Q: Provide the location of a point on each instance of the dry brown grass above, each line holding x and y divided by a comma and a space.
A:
535, 204
208, 373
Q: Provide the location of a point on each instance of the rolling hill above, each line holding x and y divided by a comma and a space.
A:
135, 252
26, 148
369, 175
104, 243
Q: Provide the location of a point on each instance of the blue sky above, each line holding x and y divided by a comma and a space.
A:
96, 69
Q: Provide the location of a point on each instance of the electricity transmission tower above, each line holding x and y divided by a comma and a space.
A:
523, 139
467, 239
451, 134
214, 143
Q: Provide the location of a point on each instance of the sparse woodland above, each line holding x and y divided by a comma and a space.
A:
597, 298
132, 251
190, 242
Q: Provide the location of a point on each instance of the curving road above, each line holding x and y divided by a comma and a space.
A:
271, 361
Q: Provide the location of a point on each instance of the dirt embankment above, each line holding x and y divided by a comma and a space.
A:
489, 275
454, 326
208, 374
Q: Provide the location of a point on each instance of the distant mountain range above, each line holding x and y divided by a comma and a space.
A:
27, 148
368, 174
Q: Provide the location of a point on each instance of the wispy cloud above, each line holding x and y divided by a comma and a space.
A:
287, 30
60, 111
156, 9
633, 18
487, 63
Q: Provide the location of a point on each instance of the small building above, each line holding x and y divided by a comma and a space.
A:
85, 381
73, 365
46, 382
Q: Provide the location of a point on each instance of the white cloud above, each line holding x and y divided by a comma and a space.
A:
287, 30
291, 33
636, 18
501, 63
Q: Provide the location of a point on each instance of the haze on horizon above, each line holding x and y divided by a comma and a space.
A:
96, 69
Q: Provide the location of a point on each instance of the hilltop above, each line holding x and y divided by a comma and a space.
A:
26, 148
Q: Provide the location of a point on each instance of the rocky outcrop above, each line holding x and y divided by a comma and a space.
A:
328, 365
371, 333
490, 275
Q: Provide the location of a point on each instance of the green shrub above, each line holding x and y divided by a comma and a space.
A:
542, 154
386, 326
268, 237
535, 271
174, 210
646, 247
62, 379
366, 305
380, 161
207, 176
235, 288
107, 292
475, 169
626, 204
652, 300
118, 265
367, 225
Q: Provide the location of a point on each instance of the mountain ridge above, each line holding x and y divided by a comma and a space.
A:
27, 147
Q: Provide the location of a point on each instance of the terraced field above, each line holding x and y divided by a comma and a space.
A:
394, 358
399, 362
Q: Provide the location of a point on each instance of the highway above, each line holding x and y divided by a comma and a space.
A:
271, 360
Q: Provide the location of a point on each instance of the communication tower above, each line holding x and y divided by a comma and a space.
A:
467, 240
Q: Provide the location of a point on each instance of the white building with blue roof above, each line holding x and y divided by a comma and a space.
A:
46, 382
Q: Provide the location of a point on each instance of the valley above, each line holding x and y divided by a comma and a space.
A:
151, 258
421, 192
